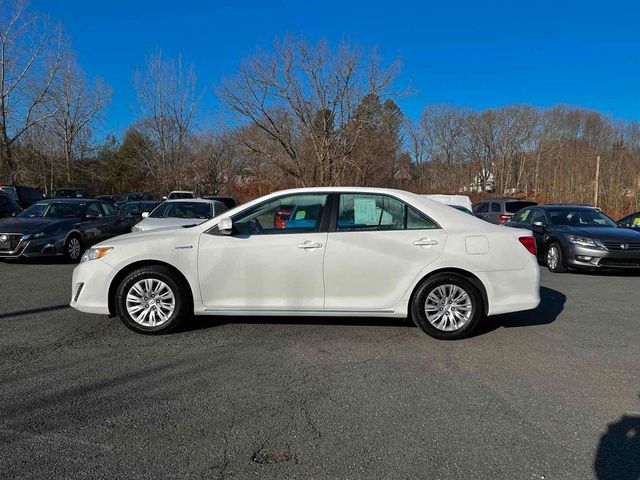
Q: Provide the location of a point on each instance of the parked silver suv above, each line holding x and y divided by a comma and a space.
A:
499, 210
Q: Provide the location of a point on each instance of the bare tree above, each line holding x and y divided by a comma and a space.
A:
168, 99
75, 107
305, 99
30, 53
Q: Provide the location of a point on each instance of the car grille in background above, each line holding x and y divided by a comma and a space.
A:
633, 246
12, 242
620, 262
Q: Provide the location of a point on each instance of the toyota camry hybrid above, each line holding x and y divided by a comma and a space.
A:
339, 252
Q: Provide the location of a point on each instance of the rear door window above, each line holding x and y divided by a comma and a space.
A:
495, 207
370, 212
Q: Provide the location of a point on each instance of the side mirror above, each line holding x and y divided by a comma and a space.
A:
540, 225
225, 226
145, 215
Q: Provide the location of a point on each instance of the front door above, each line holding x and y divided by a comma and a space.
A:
379, 246
272, 261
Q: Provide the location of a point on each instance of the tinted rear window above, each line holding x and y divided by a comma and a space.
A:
513, 207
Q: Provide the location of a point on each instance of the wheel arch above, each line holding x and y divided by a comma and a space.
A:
113, 287
462, 273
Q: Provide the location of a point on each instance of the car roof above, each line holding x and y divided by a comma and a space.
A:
132, 202
561, 206
71, 200
180, 191
191, 200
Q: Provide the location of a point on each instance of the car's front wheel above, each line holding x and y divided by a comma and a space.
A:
73, 248
555, 259
151, 300
447, 306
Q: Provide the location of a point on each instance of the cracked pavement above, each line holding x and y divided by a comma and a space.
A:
541, 394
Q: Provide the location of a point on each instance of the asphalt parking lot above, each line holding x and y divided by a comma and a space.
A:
547, 394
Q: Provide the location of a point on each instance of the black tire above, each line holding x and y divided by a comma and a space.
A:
446, 280
182, 310
73, 248
555, 265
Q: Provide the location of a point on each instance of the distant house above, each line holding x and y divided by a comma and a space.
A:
484, 181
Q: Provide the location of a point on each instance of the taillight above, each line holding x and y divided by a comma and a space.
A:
529, 243
503, 218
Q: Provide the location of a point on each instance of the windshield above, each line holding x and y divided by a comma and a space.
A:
54, 210
180, 195
139, 207
580, 218
183, 210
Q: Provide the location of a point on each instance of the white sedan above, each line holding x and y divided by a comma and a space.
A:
317, 251
179, 213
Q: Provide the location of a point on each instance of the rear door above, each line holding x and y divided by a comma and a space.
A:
376, 247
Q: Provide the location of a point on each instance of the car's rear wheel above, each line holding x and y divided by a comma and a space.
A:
447, 306
73, 248
152, 300
555, 259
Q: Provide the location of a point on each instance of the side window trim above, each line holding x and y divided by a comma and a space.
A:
322, 226
336, 206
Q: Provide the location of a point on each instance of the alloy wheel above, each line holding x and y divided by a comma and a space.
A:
553, 257
150, 302
448, 307
73, 248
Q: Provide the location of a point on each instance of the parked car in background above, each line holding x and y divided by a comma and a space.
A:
178, 213
630, 221
107, 198
8, 206
229, 202
132, 197
361, 252
24, 196
61, 226
179, 195
69, 193
134, 210
461, 200
577, 236
499, 210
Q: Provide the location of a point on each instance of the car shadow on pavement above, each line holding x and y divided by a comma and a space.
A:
57, 260
551, 305
206, 321
618, 455
31, 311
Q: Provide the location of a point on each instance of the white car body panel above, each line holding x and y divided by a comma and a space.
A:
358, 273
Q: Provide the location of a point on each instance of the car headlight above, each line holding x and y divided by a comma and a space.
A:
584, 241
95, 253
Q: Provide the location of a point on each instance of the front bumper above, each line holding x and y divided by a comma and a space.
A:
90, 287
584, 257
39, 247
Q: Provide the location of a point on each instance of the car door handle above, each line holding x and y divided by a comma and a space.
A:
425, 242
309, 245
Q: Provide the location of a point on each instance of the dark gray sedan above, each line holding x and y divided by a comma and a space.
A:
576, 236
60, 227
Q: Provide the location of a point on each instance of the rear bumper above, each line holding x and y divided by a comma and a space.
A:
583, 257
92, 279
512, 290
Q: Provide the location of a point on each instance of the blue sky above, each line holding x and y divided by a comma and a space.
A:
467, 53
